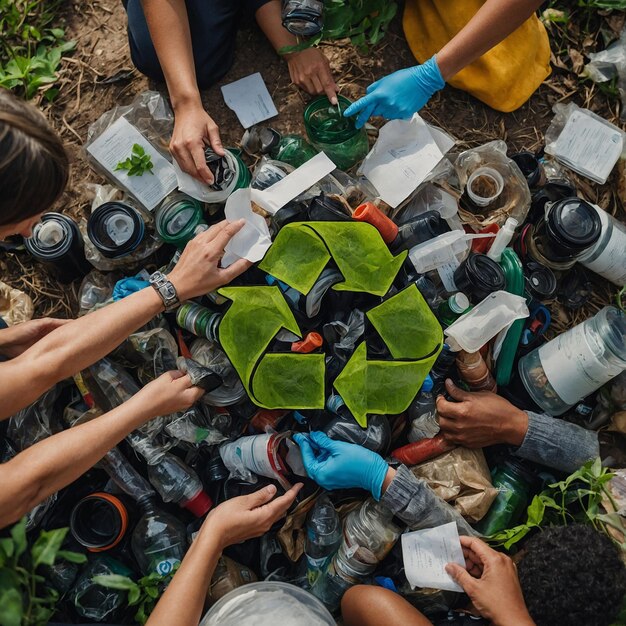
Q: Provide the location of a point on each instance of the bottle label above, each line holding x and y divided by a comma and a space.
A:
572, 367
165, 567
316, 567
611, 264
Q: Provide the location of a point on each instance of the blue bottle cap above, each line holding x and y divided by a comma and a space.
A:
427, 385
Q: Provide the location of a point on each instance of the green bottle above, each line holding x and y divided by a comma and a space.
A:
452, 308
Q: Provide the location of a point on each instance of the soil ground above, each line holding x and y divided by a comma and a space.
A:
100, 75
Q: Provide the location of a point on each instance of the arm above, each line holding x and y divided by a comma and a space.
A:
55, 462
231, 522
309, 68
193, 128
76, 345
480, 419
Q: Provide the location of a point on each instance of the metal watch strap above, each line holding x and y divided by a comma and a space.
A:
166, 290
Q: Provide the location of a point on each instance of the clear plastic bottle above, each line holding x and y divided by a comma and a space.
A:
576, 363
323, 537
178, 483
423, 413
159, 540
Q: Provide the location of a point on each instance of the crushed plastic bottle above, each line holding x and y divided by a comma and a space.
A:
323, 536
423, 413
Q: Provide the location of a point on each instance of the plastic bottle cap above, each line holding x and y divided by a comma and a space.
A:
427, 385
119, 227
370, 213
50, 233
311, 342
200, 504
459, 302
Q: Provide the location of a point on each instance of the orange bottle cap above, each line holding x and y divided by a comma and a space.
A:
311, 342
370, 213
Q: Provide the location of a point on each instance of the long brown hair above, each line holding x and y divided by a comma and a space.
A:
34, 166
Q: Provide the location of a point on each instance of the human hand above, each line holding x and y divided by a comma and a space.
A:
398, 95
18, 338
197, 271
340, 465
193, 130
491, 583
169, 393
238, 519
310, 70
479, 419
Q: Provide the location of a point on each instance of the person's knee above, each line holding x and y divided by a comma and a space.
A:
352, 602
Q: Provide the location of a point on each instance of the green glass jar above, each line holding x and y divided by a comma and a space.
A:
177, 218
513, 482
243, 179
294, 150
329, 131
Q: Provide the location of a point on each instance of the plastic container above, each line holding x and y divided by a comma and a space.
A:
532, 169
608, 256
513, 483
268, 603
502, 240
540, 281
177, 218
565, 370
99, 521
57, 243
478, 276
474, 371
330, 132
323, 536
199, 320
423, 228
484, 186
115, 229
294, 150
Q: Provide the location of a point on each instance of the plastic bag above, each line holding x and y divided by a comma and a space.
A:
35, 422
96, 289
191, 428
513, 201
15, 305
124, 475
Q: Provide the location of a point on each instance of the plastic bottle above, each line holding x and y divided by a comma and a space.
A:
576, 363
199, 320
452, 308
323, 536
159, 540
502, 240
178, 483
423, 413
370, 213
424, 227
442, 368
474, 371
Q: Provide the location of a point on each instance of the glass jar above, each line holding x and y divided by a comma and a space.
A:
329, 131
565, 370
294, 150
513, 483
177, 218
608, 257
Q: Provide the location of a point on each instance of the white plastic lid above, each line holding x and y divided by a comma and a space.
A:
50, 233
491, 174
119, 227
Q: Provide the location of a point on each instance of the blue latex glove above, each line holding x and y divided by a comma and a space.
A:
340, 465
400, 94
128, 286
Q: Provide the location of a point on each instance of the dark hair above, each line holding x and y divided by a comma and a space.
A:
572, 575
34, 166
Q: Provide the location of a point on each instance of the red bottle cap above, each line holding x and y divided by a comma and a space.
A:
200, 504
370, 213
311, 342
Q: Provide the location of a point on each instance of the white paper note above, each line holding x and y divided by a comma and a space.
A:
426, 553
115, 145
404, 154
250, 100
253, 240
301, 179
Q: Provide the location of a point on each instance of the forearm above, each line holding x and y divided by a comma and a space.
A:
168, 23
183, 601
269, 19
55, 462
72, 347
493, 22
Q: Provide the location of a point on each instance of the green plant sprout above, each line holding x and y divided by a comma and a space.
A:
26, 598
138, 163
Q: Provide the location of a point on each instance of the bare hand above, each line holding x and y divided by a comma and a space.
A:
242, 518
194, 129
479, 419
198, 271
17, 339
492, 584
169, 393
310, 70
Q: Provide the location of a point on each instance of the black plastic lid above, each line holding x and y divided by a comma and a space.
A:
324, 208
573, 223
529, 166
479, 276
540, 281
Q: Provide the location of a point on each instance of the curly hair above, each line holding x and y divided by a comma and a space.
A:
572, 575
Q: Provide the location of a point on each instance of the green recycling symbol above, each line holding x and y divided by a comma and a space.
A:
404, 321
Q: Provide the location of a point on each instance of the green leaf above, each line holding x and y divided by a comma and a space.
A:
138, 150
72, 557
535, 512
11, 608
153, 592
18, 533
134, 595
7, 548
115, 581
45, 550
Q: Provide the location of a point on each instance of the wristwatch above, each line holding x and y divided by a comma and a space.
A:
166, 290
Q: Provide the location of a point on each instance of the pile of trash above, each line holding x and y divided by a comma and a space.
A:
368, 290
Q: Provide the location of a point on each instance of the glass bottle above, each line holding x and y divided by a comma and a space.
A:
177, 218
423, 414
323, 536
573, 365
159, 540
474, 371
513, 483
178, 483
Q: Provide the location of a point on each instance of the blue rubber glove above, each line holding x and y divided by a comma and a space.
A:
128, 286
340, 465
400, 94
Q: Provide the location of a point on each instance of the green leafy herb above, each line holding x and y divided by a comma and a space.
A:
138, 163
26, 599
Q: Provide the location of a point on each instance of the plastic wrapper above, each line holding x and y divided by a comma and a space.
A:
514, 201
15, 305
344, 336
95, 290
376, 437
191, 428
430, 197
460, 477
200, 376
154, 351
585, 142
35, 516
228, 575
